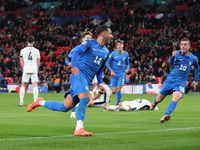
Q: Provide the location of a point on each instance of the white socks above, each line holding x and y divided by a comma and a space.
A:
79, 124
42, 103
21, 95
35, 93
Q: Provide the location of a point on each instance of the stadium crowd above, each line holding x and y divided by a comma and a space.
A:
148, 40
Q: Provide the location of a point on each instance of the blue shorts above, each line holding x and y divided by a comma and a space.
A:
74, 97
117, 80
79, 83
169, 87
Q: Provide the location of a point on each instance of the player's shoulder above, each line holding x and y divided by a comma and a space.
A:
193, 56
94, 41
126, 53
114, 52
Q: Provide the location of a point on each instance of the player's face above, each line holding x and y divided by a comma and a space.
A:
120, 46
108, 36
87, 37
184, 46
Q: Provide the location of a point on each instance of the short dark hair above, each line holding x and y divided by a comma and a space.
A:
83, 34
106, 80
118, 41
185, 39
101, 29
31, 39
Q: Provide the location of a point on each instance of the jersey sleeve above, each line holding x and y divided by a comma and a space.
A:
127, 62
196, 70
81, 49
108, 62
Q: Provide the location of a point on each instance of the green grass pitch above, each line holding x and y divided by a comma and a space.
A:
138, 130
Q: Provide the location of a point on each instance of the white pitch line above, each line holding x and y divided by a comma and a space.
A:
63, 136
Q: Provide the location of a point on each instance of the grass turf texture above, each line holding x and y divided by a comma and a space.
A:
139, 130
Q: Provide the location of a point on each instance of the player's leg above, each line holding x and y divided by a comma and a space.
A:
34, 80
157, 100
120, 83
21, 93
81, 88
175, 98
67, 104
113, 84
112, 107
25, 79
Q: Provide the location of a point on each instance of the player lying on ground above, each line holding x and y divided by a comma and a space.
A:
137, 104
181, 62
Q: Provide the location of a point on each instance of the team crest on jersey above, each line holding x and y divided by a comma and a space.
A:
105, 55
123, 58
190, 63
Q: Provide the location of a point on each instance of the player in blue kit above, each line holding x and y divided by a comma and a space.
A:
181, 62
118, 70
87, 61
84, 36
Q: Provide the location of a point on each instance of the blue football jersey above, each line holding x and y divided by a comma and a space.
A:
181, 66
92, 59
72, 51
118, 62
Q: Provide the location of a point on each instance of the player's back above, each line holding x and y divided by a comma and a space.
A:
106, 96
30, 55
118, 61
181, 67
93, 59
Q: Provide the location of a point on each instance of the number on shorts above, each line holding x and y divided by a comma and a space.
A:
29, 56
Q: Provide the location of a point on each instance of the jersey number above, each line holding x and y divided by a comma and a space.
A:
98, 60
29, 56
183, 67
119, 63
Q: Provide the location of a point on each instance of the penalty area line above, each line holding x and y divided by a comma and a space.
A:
126, 132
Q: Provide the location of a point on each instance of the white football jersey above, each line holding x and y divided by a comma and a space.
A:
106, 96
138, 104
30, 55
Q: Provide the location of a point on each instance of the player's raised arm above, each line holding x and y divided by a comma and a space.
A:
171, 61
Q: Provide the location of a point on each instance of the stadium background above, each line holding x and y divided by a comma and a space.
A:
150, 31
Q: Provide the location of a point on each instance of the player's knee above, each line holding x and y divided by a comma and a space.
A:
113, 92
63, 108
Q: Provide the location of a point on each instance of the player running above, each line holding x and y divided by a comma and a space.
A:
93, 55
118, 70
181, 62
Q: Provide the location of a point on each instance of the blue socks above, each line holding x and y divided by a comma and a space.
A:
81, 110
155, 100
74, 109
56, 106
170, 108
119, 96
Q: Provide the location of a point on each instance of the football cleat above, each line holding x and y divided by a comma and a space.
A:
152, 106
73, 115
35, 104
165, 118
105, 109
82, 132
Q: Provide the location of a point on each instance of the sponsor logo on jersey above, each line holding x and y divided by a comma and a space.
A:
95, 49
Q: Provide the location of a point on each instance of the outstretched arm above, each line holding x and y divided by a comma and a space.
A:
196, 74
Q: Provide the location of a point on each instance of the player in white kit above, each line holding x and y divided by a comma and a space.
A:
137, 104
30, 62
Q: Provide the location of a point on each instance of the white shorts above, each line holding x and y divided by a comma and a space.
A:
99, 103
27, 76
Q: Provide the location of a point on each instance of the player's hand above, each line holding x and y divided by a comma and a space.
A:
174, 53
74, 70
194, 84
102, 89
69, 64
126, 71
112, 73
